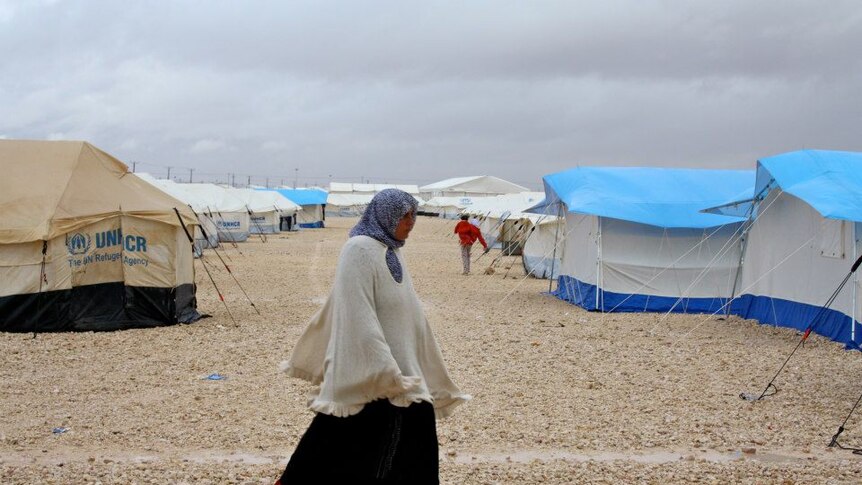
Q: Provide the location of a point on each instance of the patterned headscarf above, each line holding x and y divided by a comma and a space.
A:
380, 220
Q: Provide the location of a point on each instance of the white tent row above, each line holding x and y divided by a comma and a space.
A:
349, 188
312, 203
266, 208
206, 236
350, 200
227, 210
476, 186
447, 207
347, 204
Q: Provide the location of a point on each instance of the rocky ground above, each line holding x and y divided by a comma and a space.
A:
560, 395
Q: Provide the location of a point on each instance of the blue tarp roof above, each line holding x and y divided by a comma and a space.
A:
303, 196
663, 197
829, 181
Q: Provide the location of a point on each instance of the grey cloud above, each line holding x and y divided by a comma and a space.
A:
414, 42
423, 91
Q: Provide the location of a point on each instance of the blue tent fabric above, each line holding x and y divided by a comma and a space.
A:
663, 197
584, 295
311, 225
829, 181
303, 196
832, 324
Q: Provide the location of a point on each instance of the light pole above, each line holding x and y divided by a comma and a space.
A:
295, 177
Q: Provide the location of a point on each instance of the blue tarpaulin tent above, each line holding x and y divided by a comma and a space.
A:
803, 240
663, 197
312, 201
636, 239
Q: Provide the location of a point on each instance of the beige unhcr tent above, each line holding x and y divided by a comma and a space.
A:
84, 245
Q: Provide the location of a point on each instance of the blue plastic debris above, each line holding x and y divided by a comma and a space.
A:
59, 430
215, 377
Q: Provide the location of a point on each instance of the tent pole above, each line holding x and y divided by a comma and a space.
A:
43, 279
599, 261
743, 244
855, 285
554, 256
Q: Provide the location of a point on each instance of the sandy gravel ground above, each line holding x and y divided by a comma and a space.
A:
560, 395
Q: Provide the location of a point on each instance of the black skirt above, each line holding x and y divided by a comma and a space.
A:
383, 443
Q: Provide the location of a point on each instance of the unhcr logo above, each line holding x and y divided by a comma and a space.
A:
114, 237
78, 243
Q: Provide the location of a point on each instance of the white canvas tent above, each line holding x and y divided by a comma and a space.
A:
543, 248
350, 188
207, 224
635, 240
313, 205
347, 205
476, 186
502, 219
447, 207
266, 208
228, 211
350, 200
804, 237
86, 245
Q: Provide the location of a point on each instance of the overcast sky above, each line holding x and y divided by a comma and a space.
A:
415, 92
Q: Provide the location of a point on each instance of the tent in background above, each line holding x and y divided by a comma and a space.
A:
313, 203
86, 245
446, 207
207, 223
635, 240
543, 248
350, 200
349, 188
502, 219
266, 208
476, 186
347, 205
506, 225
228, 211
804, 237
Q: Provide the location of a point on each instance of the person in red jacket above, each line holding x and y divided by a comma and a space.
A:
468, 234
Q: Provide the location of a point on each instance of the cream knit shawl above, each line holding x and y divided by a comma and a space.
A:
371, 340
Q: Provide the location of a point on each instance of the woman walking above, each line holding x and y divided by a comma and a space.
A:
381, 377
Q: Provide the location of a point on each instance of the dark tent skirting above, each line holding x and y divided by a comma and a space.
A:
99, 307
